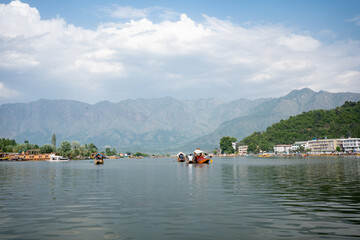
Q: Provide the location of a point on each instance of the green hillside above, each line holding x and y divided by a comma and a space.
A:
341, 122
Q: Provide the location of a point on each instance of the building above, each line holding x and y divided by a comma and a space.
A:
282, 149
297, 145
324, 145
233, 144
34, 155
28, 155
243, 150
350, 145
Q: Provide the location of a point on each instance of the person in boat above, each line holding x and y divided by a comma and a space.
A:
197, 154
191, 158
181, 157
99, 158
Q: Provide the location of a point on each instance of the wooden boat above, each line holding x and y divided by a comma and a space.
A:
202, 160
181, 157
99, 159
200, 157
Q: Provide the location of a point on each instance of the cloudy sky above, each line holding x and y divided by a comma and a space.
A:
94, 50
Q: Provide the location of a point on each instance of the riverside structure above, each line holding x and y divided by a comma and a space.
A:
345, 145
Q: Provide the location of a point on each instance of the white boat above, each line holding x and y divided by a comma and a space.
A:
54, 158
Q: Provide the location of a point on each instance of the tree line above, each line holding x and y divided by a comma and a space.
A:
66, 148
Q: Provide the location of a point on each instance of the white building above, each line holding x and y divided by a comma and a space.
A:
234, 145
282, 149
296, 146
323, 145
350, 144
243, 150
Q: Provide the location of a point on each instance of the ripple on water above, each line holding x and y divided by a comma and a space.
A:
232, 198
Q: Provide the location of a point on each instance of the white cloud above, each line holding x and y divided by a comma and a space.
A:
6, 92
299, 43
356, 20
16, 59
127, 12
143, 58
349, 77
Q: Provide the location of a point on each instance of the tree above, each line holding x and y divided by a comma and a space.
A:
65, 148
19, 148
53, 141
5, 143
140, 154
114, 152
83, 151
108, 151
92, 148
226, 144
8, 148
47, 148
75, 145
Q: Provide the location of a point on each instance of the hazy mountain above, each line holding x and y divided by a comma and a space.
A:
273, 111
142, 124
156, 125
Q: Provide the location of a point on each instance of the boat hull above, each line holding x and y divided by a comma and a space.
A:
203, 161
200, 161
98, 162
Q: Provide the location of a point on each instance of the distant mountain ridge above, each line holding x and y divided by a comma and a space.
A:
272, 111
156, 125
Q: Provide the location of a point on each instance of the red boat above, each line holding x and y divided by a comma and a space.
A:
200, 157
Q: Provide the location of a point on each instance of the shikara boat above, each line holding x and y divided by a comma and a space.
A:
181, 157
199, 157
99, 159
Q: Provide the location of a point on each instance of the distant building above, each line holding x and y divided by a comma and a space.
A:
323, 145
282, 149
350, 144
242, 150
30, 155
233, 144
296, 146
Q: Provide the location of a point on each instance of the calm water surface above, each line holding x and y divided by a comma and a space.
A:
232, 198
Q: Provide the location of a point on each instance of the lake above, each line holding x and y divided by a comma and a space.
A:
231, 198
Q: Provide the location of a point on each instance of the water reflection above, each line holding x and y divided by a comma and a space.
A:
319, 195
232, 198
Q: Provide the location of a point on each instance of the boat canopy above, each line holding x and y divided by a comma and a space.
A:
99, 154
180, 154
198, 151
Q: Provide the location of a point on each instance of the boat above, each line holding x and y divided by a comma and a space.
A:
55, 158
190, 158
99, 159
199, 157
181, 157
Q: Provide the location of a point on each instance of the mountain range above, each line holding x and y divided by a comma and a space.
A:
157, 125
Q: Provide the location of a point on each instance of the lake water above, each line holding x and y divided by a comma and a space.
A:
232, 198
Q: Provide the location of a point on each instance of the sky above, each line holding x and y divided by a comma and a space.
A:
97, 50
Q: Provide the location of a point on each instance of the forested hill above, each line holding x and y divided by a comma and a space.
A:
341, 122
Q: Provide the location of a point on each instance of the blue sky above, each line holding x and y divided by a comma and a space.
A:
148, 49
303, 15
